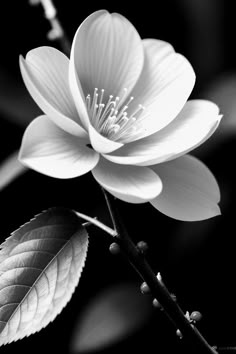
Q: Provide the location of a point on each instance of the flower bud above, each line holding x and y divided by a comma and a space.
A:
179, 334
142, 247
196, 316
144, 288
114, 248
156, 304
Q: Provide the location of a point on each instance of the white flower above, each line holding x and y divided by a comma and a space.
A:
115, 107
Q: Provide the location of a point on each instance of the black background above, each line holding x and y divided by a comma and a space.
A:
197, 260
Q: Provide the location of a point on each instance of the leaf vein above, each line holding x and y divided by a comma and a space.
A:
44, 270
14, 285
19, 267
35, 251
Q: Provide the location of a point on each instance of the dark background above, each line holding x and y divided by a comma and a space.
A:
196, 260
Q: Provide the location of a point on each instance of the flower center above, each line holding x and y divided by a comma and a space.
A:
112, 119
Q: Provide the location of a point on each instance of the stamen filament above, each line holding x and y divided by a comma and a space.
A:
111, 121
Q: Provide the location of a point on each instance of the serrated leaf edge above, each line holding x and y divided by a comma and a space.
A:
79, 275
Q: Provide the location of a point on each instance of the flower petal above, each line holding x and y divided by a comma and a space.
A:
129, 183
102, 144
163, 87
194, 124
190, 191
45, 74
50, 150
107, 53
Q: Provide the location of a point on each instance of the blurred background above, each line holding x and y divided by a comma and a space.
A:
197, 260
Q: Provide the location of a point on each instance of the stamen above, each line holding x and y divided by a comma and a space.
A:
138, 111
111, 119
122, 112
114, 129
123, 120
88, 101
106, 125
130, 100
94, 105
108, 106
101, 97
101, 106
108, 120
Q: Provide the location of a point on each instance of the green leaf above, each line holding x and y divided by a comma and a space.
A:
40, 266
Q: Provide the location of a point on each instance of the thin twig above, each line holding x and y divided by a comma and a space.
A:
97, 223
57, 32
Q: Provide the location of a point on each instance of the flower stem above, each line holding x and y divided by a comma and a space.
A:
171, 309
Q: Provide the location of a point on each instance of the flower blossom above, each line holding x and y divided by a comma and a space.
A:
118, 108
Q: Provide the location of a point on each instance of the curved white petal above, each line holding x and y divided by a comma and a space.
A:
45, 74
107, 53
48, 149
190, 191
194, 124
163, 87
100, 143
131, 184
